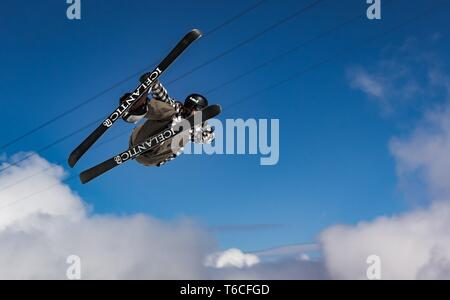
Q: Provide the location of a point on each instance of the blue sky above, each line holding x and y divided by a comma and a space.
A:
335, 165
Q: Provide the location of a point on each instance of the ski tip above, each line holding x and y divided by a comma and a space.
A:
73, 159
71, 162
196, 32
83, 179
216, 109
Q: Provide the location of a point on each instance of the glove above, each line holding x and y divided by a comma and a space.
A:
203, 134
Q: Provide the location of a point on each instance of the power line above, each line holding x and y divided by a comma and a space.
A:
38, 192
231, 20
52, 144
290, 78
335, 56
106, 141
119, 83
67, 112
248, 40
302, 10
284, 54
290, 51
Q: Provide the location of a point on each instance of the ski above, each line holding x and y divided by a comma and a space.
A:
187, 40
150, 143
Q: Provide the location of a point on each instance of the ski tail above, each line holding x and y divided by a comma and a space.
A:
182, 45
187, 40
96, 171
149, 144
86, 145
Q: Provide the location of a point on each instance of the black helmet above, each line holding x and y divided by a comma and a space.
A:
195, 102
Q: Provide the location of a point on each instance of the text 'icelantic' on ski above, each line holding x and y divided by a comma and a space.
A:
182, 45
147, 145
132, 98
150, 143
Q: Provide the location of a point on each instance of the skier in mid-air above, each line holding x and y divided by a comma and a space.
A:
156, 141
160, 111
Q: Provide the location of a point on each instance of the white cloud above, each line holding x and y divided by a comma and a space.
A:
398, 80
38, 233
439, 79
425, 154
370, 85
415, 245
408, 245
231, 258
304, 257
16, 209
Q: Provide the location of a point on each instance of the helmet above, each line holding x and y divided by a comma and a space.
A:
136, 112
195, 102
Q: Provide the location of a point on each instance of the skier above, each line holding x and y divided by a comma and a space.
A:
160, 112
157, 140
